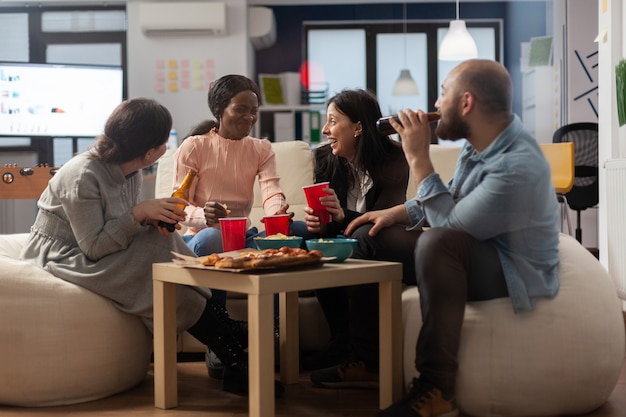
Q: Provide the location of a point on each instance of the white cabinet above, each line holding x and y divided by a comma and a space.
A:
540, 102
280, 123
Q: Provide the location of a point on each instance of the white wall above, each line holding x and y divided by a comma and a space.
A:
611, 51
612, 48
207, 57
576, 64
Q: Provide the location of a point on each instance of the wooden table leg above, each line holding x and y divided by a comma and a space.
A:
289, 338
390, 322
261, 355
165, 377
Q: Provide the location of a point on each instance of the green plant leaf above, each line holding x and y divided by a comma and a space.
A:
620, 87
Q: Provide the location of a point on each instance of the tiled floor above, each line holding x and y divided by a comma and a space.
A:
201, 396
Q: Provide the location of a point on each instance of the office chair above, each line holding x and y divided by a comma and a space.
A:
584, 193
560, 156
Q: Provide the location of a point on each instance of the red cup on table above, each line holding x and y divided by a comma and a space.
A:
233, 233
313, 194
279, 223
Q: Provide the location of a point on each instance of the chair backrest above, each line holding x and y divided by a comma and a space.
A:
560, 156
584, 136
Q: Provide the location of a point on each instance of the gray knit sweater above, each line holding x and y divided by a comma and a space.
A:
85, 233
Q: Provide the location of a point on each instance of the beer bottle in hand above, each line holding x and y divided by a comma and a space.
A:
181, 192
385, 127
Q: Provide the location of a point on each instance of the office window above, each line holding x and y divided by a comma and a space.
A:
384, 56
90, 35
85, 54
336, 59
84, 21
392, 56
14, 37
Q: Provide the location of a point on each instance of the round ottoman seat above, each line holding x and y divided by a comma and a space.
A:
59, 343
563, 358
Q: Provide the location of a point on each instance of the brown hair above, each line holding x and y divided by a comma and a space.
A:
135, 126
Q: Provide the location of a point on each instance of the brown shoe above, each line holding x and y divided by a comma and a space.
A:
423, 400
350, 374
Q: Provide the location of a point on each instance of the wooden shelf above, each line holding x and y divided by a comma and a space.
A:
265, 125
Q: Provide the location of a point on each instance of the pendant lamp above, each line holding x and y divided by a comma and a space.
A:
405, 84
458, 44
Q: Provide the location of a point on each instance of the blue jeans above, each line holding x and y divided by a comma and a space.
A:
209, 240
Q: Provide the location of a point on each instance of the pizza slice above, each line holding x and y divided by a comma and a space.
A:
270, 258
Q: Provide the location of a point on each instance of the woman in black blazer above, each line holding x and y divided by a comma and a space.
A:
366, 171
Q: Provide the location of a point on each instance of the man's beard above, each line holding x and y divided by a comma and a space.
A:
452, 129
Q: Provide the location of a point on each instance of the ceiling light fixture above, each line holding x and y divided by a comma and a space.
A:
458, 44
405, 85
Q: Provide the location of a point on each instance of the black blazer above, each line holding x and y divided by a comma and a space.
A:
390, 182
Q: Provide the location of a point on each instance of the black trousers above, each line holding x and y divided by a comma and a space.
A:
449, 267
352, 312
452, 268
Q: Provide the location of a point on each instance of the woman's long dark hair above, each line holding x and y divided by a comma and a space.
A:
372, 147
135, 126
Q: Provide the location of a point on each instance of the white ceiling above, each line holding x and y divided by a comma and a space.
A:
257, 2
335, 2
26, 3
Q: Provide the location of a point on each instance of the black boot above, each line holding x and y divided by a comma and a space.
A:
222, 335
238, 327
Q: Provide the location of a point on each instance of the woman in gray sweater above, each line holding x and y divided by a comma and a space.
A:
92, 230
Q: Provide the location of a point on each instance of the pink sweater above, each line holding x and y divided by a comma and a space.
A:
226, 172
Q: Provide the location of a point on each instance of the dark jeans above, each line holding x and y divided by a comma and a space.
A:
452, 268
449, 267
352, 312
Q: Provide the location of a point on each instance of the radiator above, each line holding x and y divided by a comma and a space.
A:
616, 220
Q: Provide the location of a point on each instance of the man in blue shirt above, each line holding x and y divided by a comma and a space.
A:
493, 230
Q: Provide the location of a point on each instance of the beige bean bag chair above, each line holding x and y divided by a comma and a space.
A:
61, 344
562, 358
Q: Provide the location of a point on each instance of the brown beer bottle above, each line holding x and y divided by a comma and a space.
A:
385, 128
181, 192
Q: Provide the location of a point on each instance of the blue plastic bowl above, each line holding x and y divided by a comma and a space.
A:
339, 248
264, 243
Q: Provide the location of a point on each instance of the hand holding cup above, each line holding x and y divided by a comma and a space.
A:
313, 194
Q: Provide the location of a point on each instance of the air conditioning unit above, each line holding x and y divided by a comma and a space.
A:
261, 27
183, 18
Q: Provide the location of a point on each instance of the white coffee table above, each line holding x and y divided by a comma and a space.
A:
260, 289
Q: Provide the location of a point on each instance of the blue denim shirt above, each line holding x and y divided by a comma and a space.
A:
504, 195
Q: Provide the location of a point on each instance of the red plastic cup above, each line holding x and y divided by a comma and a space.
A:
278, 223
233, 233
313, 194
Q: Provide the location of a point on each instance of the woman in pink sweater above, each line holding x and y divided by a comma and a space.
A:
227, 161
